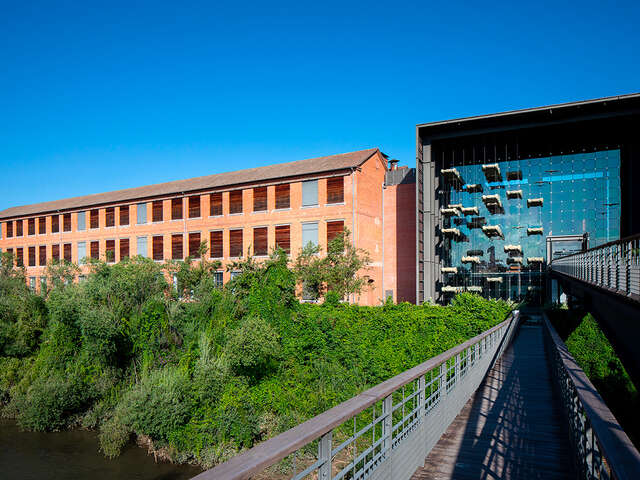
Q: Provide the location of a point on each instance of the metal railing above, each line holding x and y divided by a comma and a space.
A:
601, 448
614, 266
384, 432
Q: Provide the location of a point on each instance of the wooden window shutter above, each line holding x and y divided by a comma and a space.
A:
157, 211
260, 241
176, 209
283, 237
177, 250
19, 227
42, 225
235, 243
67, 251
124, 215
260, 199
124, 248
42, 255
19, 256
94, 219
158, 248
66, 222
95, 249
194, 206
194, 244
32, 256
235, 201
55, 252
335, 190
110, 217
216, 244
9, 229
110, 250
334, 229
31, 226
215, 204
283, 196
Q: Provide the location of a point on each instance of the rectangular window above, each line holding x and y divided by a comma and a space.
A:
66, 222
10, 251
310, 193
194, 206
19, 227
141, 247
310, 234
19, 256
217, 279
43, 285
110, 250
176, 209
157, 211
177, 249
32, 283
334, 229
110, 217
82, 252
124, 249
194, 244
215, 204
32, 256
42, 255
31, 226
55, 252
158, 248
82, 221
260, 241
124, 216
283, 238
283, 196
141, 213
335, 190
215, 241
95, 249
55, 223
94, 219
9, 229
66, 250
260, 199
235, 201
42, 225
235, 243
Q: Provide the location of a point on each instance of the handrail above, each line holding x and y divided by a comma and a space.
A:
466, 355
603, 245
596, 433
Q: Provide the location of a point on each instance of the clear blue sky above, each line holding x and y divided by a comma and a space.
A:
96, 99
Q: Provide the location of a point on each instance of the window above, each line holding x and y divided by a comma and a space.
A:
32, 256
310, 233
43, 285
55, 223
177, 252
233, 275
110, 250
215, 239
124, 248
218, 279
82, 221
334, 229
235, 202
110, 217
283, 237
94, 219
42, 255
31, 226
32, 283
141, 247
9, 229
82, 251
141, 209
158, 248
19, 227
66, 222
55, 252
66, 250
194, 245
283, 197
260, 241
19, 256
215, 204
124, 216
194, 206
260, 199
235, 243
157, 211
310, 193
42, 225
335, 190
176, 209
94, 249
10, 251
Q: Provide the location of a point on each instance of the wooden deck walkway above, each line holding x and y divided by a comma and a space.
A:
512, 427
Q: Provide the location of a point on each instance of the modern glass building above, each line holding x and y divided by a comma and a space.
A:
499, 196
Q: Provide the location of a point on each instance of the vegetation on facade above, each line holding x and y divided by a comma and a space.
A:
206, 372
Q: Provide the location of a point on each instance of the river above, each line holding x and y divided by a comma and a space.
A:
74, 455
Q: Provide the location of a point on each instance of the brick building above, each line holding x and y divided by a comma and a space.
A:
237, 213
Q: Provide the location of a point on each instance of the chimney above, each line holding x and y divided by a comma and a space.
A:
393, 164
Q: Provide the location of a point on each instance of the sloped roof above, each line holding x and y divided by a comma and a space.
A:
281, 170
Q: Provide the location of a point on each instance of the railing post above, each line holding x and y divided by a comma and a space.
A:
387, 423
443, 380
324, 455
422, 396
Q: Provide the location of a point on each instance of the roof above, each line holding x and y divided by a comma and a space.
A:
251, 175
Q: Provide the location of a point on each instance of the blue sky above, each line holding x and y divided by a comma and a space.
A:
98, 98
